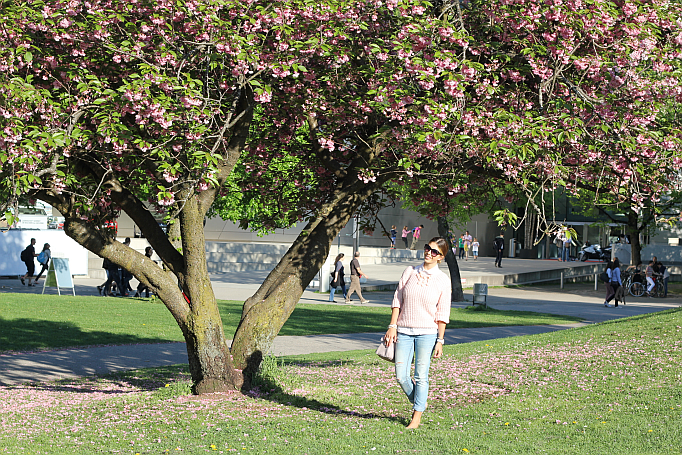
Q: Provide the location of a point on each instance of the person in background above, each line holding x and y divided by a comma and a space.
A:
498, 246
613, 271
394, 234
44, 260
665, 275
467, 245
566, 252
337, 278
126, 276
474, 248
559, 242
404, 235
460, 247
355, 274
419, 312
650, 277
416, 233
113, 276
141, 287
27, 257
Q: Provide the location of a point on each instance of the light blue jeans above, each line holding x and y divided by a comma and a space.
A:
419, 347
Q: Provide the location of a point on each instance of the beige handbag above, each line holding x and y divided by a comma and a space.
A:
386, 352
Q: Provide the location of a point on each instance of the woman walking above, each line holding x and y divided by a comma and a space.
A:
44, 260
337, 278
613, 271
420, 311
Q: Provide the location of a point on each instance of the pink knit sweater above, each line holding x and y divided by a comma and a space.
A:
423, 297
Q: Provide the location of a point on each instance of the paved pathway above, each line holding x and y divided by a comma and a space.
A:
579, 301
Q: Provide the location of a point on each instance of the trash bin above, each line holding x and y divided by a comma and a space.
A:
512, 248
480, 294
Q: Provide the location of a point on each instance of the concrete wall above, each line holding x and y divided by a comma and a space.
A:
239, 257
218, 230
668, 255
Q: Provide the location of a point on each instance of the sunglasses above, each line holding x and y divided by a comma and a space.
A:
428, 249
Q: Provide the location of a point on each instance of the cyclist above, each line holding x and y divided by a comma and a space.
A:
650, 278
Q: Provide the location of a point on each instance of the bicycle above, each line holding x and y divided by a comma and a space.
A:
638, 289
658, 289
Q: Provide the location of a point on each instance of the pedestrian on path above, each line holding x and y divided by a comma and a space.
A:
27, 257
420, 311
460, 247
394, 234
474, 248
468, 240
665, 274
113, 277
498, 246
355, 274
416, 233
126, 276
337, 278
567, 242
404, 235
613, 272
44, 260
149, 251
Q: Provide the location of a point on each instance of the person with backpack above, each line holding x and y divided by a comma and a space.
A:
498, 246
27, 257
44, 260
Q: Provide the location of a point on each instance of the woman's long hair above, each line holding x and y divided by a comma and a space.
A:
338, 258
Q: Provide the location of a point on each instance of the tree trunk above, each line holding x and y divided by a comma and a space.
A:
451, 261
192, 304
267, 310
633, 230
209, 357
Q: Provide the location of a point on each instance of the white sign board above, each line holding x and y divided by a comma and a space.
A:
59, 275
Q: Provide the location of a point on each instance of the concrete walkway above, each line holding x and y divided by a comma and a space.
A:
577, 300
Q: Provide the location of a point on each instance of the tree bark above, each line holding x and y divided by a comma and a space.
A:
267, 310
192, 304
451, 261
633, 230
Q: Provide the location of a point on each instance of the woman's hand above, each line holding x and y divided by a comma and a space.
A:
391, 336
438, 351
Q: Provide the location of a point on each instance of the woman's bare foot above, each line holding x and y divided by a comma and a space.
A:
416, 420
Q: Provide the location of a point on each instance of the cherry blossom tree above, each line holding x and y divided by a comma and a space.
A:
308, 108
109, 106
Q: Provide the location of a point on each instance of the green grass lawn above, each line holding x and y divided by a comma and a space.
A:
34, 322
607, 388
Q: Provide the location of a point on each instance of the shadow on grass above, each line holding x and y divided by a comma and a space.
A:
35, 334
265, 387
119, 383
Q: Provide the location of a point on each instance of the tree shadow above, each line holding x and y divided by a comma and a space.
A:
264, 386
142, 380
20, 335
